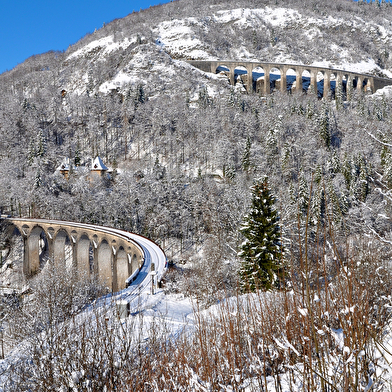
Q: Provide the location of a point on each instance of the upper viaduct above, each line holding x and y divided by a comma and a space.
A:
112, 255
346, 79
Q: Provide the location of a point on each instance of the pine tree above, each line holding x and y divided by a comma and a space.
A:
90, 82
339, 95
386, 163
303, 194
324, 126
140, 97
41, 148
31, 152
318, 207
261, 251
204, 98
37, 179
246, 155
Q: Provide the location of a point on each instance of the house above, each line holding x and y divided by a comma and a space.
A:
97, 170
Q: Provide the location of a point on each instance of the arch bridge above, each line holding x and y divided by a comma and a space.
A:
110, 254
266, 77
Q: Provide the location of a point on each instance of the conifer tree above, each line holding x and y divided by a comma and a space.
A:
31, 152
246, 155
324, 126
37, 179
140, 96
339, 95
41, 149
261, 252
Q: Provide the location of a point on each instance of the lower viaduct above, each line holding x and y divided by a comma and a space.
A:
110, 254
292, 77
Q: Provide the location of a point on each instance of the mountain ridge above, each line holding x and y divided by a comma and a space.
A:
279, 34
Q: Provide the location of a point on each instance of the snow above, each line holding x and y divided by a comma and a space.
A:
121, 79
337, 334
98, 164
105, 44
366, 67
64, 165
173, 309
178, 313
387, 92
177, 37
245, 17
180, 38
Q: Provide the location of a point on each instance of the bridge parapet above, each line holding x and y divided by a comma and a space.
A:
344, 80
107, 253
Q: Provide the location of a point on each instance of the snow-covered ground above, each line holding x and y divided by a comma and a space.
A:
182, 39
178, 36
104, 45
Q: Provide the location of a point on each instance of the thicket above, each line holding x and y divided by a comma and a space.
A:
185, 168
325, 332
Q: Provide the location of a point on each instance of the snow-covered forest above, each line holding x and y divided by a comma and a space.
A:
184, 148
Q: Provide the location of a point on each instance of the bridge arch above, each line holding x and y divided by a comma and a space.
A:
320, 80
62, 250
224, 72
135, 263
365, 85
104, 263
275, 77
258, 77
333, 77
84, 259
355, 81
37, 251
291, 79
344, 85
123, 270
306, 79
241, 76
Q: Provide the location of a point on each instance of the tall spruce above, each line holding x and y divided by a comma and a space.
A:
261, 252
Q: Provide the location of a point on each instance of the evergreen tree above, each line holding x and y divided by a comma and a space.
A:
303, 194
324, 126
204, 98
77, 156
339, 95
286, 155
261, 251
37, 179
386, 163
31, 152
246, 156
41, 148
140, 96
90, 82
318, 206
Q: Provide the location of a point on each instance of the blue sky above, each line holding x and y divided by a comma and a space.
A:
30, 27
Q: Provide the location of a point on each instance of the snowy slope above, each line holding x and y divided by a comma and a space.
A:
266, 34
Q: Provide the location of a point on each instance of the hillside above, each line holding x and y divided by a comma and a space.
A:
184, 148
125, 93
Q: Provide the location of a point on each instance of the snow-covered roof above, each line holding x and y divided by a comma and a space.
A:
65, 166
98, 164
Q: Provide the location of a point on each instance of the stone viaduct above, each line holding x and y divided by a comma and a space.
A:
347, 80
107, 253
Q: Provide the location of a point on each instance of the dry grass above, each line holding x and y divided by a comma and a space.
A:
322, 333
